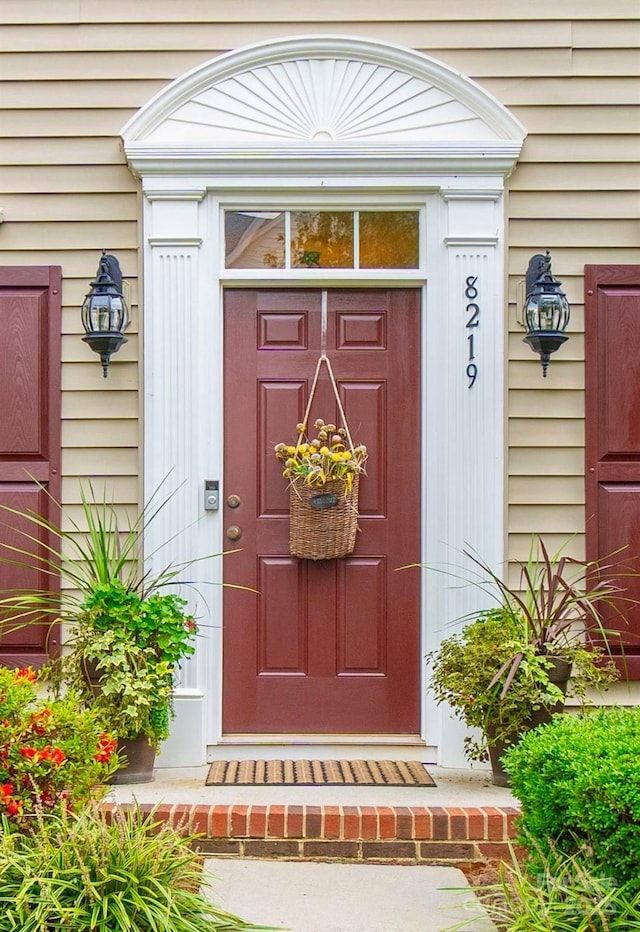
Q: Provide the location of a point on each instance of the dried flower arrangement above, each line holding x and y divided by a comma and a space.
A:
327, 457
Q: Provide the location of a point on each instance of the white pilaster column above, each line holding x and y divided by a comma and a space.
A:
178, 433
470, 424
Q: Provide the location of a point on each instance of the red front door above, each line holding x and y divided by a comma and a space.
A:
29, 438
325, 647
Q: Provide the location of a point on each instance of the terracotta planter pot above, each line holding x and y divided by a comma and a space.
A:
558, 675
140, 758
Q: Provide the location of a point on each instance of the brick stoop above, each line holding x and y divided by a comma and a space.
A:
414, 834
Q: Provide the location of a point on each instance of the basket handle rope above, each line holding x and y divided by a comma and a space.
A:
324, 359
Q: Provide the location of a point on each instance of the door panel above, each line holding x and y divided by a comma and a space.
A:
612, 376
325, 646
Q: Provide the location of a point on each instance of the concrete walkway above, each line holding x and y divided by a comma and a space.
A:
319, 897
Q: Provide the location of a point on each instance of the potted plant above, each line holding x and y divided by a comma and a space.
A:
122, 656
125, 634
510, 668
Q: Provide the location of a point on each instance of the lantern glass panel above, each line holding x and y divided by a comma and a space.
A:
564, 312
547, 312
120, 311
104, 313
531, 318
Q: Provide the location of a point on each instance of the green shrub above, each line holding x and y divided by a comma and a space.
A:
578, 780
88, 873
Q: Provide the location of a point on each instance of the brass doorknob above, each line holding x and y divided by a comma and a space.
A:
234, 532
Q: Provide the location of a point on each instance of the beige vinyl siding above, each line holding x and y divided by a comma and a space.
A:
568, 69
38, 179
284, 11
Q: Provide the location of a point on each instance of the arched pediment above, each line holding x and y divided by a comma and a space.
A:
322, 96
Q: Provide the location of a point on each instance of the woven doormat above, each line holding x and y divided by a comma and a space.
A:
318, 773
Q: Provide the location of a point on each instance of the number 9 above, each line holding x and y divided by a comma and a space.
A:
472, 373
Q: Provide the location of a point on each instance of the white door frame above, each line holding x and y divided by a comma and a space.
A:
194, 160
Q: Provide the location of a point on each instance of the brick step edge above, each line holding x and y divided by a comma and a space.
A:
429, 834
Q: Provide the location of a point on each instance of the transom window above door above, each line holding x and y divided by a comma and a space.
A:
322, 239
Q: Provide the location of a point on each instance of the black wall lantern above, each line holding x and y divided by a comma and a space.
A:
546, 310
104, 312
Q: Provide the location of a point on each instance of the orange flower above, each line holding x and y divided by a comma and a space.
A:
26, 673
55, 755
48, 753
38, 721
106, 747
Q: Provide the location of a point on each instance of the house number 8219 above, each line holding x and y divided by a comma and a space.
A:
473, 321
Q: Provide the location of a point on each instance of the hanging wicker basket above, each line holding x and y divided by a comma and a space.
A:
323, 521
323, 484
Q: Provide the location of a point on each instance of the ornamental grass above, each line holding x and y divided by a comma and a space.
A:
89, 872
